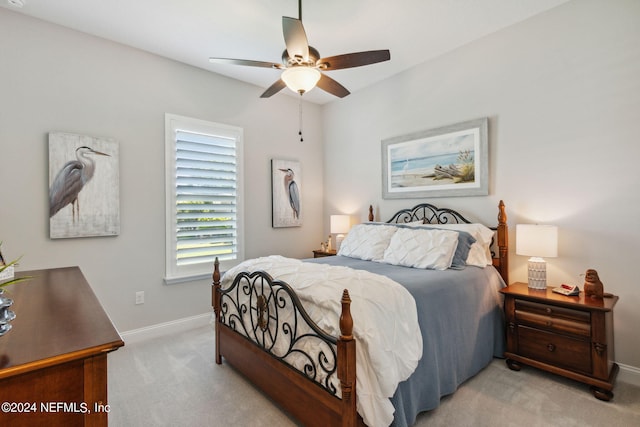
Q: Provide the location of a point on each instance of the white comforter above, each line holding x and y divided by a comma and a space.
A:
389, 342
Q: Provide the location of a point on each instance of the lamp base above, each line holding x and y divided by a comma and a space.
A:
537, 273
339, 239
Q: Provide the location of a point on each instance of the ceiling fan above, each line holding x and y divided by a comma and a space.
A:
302, 65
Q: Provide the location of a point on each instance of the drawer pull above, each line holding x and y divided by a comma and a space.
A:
551, 347
549, 323
548, 310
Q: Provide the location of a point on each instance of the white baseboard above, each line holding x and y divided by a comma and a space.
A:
166, 328
629, 374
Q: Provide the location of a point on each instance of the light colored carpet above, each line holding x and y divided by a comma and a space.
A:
174, 381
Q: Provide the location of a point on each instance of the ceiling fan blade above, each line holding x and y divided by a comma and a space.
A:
351, 60
333, 87
295, 38
246, 62
273, 89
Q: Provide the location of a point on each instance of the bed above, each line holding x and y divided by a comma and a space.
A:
305, 357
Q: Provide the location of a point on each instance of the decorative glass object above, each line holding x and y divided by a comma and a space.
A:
6, 315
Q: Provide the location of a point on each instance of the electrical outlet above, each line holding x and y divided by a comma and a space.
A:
139, 297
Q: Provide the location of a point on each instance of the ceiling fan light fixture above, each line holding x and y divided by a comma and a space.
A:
300, 79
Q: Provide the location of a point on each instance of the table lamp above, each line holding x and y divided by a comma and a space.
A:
340, 225
537, 241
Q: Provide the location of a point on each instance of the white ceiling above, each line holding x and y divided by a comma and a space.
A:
191, 31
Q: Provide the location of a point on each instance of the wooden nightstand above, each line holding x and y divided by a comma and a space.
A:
568, 336
320, 253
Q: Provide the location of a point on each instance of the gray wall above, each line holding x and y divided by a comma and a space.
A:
54, 79
562, 93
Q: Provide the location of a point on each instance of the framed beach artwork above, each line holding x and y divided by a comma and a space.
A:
443, 162
286, 193
84, 187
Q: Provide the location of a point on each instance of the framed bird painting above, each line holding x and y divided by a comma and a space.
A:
84, 187
286, 193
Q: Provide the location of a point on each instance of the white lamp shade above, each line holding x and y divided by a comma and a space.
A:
537, 240
340, 224
300, 79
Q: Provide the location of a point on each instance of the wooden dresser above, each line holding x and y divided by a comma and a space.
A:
53, 363
567, 335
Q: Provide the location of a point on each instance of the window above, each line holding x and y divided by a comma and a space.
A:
203, 196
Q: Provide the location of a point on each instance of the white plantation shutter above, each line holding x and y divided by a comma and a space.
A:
205, 217
206, 198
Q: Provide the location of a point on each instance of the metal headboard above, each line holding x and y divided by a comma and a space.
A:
428, 214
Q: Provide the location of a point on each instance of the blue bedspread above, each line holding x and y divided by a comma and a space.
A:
461, 321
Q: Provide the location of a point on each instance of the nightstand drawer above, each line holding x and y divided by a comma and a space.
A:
558, 350
553, 311
556, 324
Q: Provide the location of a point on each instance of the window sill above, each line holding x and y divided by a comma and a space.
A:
190, 278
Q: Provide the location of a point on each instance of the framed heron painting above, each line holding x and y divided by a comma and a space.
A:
286, 193
84, 187
448, 161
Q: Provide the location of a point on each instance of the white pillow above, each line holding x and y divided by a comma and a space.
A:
393, 224
480, 252
367, 242
420, 248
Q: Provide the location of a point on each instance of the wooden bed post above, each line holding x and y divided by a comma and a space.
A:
347, 363
215, 297
503, 242
371, 213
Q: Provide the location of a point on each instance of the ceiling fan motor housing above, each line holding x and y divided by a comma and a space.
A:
314, 55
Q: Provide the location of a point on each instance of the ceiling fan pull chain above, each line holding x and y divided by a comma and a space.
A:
300, 119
